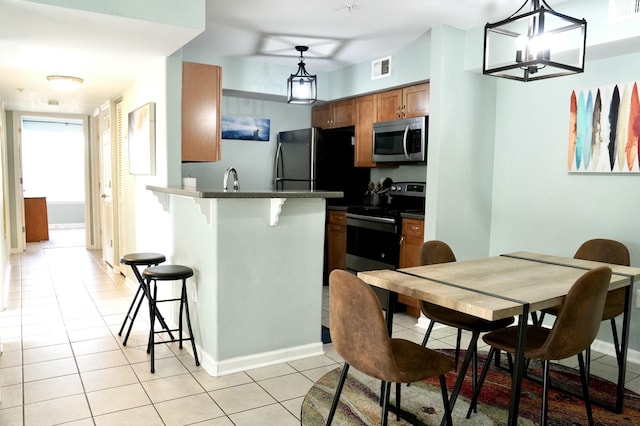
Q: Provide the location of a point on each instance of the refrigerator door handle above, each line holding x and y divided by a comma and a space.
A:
277, 165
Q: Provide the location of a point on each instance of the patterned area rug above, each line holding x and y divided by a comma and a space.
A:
359, 403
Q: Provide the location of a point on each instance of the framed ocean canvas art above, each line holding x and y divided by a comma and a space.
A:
245, 128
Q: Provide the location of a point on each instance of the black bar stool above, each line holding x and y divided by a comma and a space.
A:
168, 273
135, 260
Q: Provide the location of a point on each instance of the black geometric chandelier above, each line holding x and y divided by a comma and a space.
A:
534, 45
301, 86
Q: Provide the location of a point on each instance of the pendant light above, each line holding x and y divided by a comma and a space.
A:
301, 86
535, 44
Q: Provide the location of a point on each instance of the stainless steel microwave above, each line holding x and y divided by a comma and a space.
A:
401, 141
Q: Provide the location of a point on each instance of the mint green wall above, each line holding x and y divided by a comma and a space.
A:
538, 205
253, 77
460, 163
165, 11
253, 160
410, 64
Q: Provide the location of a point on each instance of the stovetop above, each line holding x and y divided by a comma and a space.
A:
404, 197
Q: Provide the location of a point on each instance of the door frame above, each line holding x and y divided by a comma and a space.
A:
90, 228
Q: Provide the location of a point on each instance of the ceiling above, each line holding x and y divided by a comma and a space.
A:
110, 52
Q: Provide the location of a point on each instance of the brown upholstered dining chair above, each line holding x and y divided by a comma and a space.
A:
607, 251
435, 251
574, 330
360, 336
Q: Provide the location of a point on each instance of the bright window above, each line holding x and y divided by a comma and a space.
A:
53, 159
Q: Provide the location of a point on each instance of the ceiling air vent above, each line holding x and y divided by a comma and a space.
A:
620, 10
381, 68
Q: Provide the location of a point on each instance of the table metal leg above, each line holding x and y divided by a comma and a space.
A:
622, 367
392, 299
518, 367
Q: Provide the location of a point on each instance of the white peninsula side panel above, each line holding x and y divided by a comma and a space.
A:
256, 297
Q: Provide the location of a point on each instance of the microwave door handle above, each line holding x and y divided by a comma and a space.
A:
404, 142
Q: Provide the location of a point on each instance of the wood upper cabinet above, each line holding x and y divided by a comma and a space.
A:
389, 105
334, 114
320, 116
365, 117
412, 240
201, 101
408, 102
336, 240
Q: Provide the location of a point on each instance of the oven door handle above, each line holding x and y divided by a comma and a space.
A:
371, 218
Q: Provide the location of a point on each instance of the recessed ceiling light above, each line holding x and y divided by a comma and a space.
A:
65, 83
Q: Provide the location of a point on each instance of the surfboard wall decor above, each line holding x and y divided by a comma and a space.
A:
604, 129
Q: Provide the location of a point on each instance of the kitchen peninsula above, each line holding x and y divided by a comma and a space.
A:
256, 296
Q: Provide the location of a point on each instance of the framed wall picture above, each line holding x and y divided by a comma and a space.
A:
142, 140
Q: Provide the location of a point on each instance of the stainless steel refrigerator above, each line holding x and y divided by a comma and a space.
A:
316, 159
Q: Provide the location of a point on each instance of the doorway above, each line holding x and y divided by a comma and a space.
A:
51, 174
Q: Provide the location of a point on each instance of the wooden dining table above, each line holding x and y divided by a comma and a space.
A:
492, 288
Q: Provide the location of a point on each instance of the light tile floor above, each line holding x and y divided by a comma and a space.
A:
64, 363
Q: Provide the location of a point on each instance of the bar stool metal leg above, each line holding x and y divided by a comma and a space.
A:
134, 260
168, 273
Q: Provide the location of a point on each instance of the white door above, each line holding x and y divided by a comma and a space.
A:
106, 187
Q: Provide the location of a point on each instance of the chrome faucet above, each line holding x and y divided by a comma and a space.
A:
236, 185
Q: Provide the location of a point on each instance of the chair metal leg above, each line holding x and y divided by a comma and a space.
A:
398, 386
458, 339
428, 333
585, 389
336, 397
385, 404
545, 392
445, 401
616, 342
483, 375
463, 370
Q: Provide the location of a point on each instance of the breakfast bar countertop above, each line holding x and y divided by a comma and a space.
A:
220, 193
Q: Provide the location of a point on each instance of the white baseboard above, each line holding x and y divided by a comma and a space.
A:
243, 363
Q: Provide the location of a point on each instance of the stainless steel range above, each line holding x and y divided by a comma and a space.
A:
374, 232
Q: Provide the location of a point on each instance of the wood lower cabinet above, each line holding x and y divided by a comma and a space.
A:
412, 239
336, 240
201, 102
365, 116
36, 220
